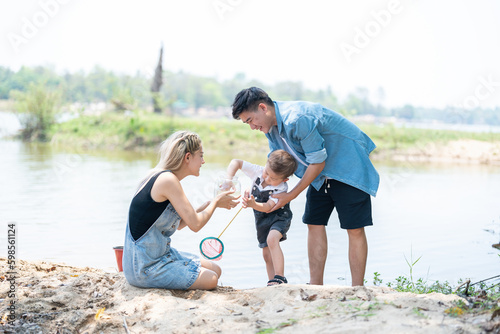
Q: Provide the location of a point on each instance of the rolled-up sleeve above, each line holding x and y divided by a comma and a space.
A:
306, 132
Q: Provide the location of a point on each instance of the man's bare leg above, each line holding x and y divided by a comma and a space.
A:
317, 246
358, 253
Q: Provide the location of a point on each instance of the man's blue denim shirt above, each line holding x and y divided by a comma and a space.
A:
318, 134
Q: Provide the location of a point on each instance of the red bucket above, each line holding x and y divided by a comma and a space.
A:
119, 255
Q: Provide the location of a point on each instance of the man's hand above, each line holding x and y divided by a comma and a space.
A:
312, 171
283, 199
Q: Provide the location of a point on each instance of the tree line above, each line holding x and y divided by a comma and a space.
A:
182, 90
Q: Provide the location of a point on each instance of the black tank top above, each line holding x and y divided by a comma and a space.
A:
144, 211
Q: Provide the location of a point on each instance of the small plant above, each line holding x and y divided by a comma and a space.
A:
321, 312
376, 279
418, 312
403, 284
408, 284
411, 264
364, 309
267, 331
455, 311
290, 322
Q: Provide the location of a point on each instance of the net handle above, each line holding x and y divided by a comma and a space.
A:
229, 222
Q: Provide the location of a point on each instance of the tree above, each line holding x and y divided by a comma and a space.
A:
5, 82
406, 112
36, 109
156, 85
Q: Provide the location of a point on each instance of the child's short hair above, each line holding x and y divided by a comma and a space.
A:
282, 163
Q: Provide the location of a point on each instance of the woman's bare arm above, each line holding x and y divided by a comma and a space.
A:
168, 187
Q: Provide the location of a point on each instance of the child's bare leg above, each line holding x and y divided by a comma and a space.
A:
269, 262
273, 241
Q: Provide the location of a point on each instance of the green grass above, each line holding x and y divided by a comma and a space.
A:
144, 131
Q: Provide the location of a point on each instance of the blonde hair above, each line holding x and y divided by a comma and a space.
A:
175, 147
173, 150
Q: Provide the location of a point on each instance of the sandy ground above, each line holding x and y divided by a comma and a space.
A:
56, 298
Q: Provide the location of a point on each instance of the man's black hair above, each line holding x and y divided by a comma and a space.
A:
248, 100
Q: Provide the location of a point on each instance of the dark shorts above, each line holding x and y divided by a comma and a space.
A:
279, 220
353, 206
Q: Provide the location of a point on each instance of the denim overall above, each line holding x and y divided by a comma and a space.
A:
150, 262
279, 220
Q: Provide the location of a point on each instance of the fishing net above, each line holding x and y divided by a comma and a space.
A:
212, 248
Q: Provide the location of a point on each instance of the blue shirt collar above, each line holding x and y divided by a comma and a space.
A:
279, 120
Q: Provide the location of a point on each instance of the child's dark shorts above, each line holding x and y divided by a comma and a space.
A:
353, 206
279, 220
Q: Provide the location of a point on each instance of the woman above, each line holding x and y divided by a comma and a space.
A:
160, 207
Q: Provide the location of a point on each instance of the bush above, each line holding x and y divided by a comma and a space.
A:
36, 109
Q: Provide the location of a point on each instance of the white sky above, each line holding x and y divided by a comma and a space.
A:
430, 53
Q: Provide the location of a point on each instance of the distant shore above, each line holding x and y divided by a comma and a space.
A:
142, 131
463, 151
56, 298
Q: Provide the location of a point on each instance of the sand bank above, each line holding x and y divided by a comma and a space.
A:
56, 298
464, 151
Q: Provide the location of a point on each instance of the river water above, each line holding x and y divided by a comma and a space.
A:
71, 206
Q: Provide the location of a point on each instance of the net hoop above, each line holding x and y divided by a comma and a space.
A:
218, 256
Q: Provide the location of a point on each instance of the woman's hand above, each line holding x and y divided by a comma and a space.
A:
225, 200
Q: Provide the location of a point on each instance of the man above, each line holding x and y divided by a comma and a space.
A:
333, 157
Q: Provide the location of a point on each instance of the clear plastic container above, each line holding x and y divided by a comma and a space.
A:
224, 184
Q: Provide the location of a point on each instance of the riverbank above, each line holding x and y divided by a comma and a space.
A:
462, 151
145, 131
224, 136
56, 298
